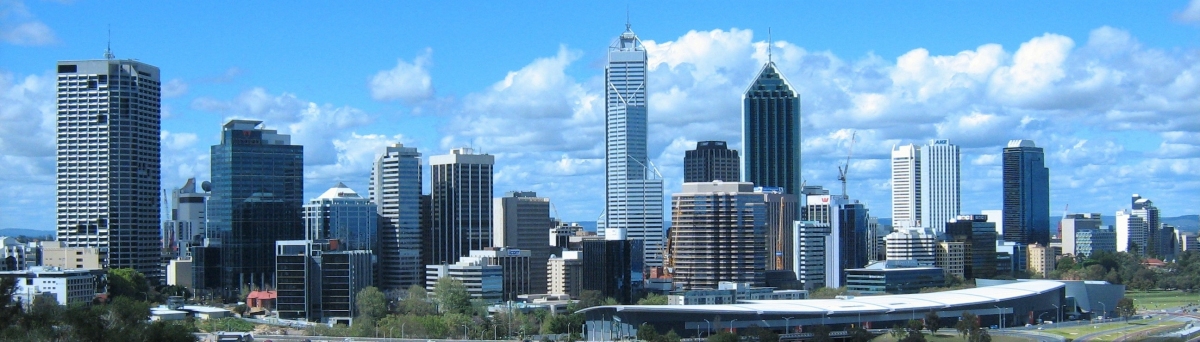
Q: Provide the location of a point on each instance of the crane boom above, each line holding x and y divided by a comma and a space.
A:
845, 168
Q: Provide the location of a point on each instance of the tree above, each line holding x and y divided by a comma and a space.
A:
860, 334
827, 292
821, 333
672, 336
127, 282
451, 296
240, 309
589, 298
371, 302
967, 323
416, 302
723, 336
653, 299
981, 335
646, 332
933, 322
1125, 308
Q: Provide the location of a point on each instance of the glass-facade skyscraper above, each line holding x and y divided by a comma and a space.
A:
771, 132
461, 204
109, 161
1026, 194
257, 196
711, 161
633, 188
396, 190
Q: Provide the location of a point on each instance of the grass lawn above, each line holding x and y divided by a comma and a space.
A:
1080, 330
952, 336
1154, 300
1115, 335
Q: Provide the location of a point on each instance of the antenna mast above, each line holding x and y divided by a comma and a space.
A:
769, 43
108, 50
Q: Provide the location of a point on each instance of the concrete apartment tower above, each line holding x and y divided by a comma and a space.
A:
522, 223
109, 127
633, 190
718, 235
1026, 194
461, 204
396, 190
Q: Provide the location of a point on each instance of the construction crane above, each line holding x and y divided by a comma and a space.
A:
842, 170
779, 239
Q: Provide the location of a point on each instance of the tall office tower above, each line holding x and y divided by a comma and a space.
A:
1168, 245
812, 262
257, 199
925, 185
461, 204
711, 161
781, 213
109, 161
1026, 194
846, 243
1159, 242
718, 235
396, 190
633, 207
1072, 225
522, 221
1187, 242
1132, 233
186, 221
771, 132
876, 250
996, 217
341, 214
913, 244
980, 237
614, 268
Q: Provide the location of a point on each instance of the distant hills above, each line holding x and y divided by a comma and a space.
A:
1186, 223
15, 232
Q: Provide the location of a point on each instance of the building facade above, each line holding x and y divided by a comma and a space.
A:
782, 211
912, 244
64, 286
614, 268
711, 161
980, 238
522, 221
341, 214
951, 257
516, 268
396, 190
318, 281
565, 274
1073, 224
184, 227
256, 200
483, 281
718, 235
1043, 259
925, 185
894, 277
1132, 233
771, 132
1026, 194
461, 206
109, 133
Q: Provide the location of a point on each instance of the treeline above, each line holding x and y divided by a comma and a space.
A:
122, 319
1129, 270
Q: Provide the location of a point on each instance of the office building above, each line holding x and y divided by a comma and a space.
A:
812, 261
951, 257
876, 246
925, 185
396, 190
711, 161
633, 192
1160, 238
57, 254
781, 214
515, 268
614, 268
64, 286
771, 132
565, 273
1026, 194
483, 281
1089, 241
17, 255
1073, 224
256, 200
980, 237
180, 273
1187, 242
718, 235
319, 281
522, 220
560, 236
1132, 232
1042, 259
341, 214
912, 244
109, 134
461, 206
848, 233
732, 293
894, 277
1012, 258
184, 227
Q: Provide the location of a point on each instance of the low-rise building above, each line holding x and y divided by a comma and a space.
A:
893, 277
565, 273
56, 254
732, 293
952, 257
482, 280
66, 286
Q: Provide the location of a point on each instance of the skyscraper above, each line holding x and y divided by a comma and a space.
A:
522, 222
109, 161
633, 189
341, 214
1132, 233
711, 161
396, 190
925, 185
771, 132
718, 235
1026, 194
257, 199
461, 203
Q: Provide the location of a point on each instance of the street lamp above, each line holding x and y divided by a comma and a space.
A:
1000, 314
1105, 307
709, 327
787, 325
1040, 318
732, 329
466, 334
1059, 321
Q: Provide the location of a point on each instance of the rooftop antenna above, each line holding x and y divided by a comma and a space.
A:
769, 42
108, 51
627, 25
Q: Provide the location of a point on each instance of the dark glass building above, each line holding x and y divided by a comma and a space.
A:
614, 268
852, 243
257, 194
980, 238
711, 161
771, 132
1026, 194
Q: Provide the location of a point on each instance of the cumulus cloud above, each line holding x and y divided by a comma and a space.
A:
408, 82
20, 27
174, 88
1190, 14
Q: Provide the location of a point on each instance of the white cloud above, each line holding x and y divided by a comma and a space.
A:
409, 82
174, 88
178, 141
20, 27
1190, 14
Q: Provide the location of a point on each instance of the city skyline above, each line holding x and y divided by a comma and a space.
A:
1131, 116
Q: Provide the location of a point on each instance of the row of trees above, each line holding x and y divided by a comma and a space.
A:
1129, 270
122, 318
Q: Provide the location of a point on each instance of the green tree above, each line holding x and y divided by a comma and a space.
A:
416, 302
821, 333
240, 309
913, 327
827, 292
589, 298
933, 322
127, 282
723, 336
451, 296
653, 299
647, 332
967, 323
980, 335
371, 302
1125, 308
860, 334
672, 336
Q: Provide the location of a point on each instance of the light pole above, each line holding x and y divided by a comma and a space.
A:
708, 329
1059, 321
1040, 317
466, 335
787, 325
402, 329
732, 329
1001, 315
1105, 312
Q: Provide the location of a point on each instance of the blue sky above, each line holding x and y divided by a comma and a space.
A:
1110, 89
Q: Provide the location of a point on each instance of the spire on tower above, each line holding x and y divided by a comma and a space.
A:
769, 43
108, 50
627, 25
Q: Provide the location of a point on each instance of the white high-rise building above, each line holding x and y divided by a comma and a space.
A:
925, 185
913, 244
1132, 232
461, 204
633, 206
185, 226
396, 190
109, 137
